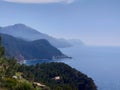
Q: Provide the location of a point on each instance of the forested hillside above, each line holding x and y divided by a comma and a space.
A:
47, 76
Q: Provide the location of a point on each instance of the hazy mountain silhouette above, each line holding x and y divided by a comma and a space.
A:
76, 42
37, 49
27, 33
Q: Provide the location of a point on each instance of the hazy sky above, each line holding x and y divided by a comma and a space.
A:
95, 22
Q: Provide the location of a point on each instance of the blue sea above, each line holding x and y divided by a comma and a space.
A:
102, 64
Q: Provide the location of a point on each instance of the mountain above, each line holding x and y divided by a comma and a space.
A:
27, 33
37, 49
59, 76
46, 76
75, 42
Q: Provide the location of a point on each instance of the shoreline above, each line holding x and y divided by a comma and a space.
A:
43, 60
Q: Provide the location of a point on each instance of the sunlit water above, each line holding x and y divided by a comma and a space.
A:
100, 63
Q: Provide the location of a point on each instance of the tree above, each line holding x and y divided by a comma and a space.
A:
12, 67
2, 51
3, 61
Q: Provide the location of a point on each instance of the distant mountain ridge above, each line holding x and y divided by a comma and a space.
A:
27, 33
77, 42
30, 50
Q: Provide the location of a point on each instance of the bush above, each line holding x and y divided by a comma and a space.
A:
9, 83
24, 86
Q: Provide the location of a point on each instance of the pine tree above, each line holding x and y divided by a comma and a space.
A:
2, 51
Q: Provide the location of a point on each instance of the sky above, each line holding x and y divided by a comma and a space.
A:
95, 22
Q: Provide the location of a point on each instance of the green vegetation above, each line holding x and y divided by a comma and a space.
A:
47, 76
70, 79
8, 69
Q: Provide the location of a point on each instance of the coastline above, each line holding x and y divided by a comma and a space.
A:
35, 61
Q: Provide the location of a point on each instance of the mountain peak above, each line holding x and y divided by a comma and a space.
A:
25, 32
19, 25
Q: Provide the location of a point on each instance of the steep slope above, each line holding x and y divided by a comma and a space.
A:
59, 76
24, 32
38, 49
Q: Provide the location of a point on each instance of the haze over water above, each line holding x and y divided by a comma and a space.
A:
100, 63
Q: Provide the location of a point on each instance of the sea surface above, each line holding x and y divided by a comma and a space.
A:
102, 64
